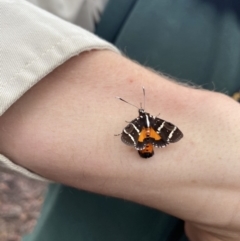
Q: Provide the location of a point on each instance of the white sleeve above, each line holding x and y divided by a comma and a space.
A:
84, 13
33, 43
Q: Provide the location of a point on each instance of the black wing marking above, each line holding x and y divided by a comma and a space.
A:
131, 133
141, 145
160, 143
169, 133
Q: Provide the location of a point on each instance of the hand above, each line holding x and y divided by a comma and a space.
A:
63, 129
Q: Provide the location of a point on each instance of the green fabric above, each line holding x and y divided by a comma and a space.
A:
114, 18
192, 40
69, 214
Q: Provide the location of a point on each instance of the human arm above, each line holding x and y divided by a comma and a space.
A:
131, 181
63, 129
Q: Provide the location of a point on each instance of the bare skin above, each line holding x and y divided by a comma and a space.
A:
63, 129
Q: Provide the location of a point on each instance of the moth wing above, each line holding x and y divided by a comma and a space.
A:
131, 133
160, 143
168, 132
141, 144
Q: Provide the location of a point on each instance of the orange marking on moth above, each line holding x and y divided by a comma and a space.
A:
148, 133
147, 149
154, 134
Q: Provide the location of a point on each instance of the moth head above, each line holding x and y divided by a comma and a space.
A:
141, 111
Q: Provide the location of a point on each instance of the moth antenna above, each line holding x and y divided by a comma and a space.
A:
141, 105
143, 97
126, 102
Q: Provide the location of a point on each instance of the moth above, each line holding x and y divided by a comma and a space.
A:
147, 131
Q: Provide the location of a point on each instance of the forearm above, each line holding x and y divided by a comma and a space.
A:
74, 111
63, 129
74, 114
